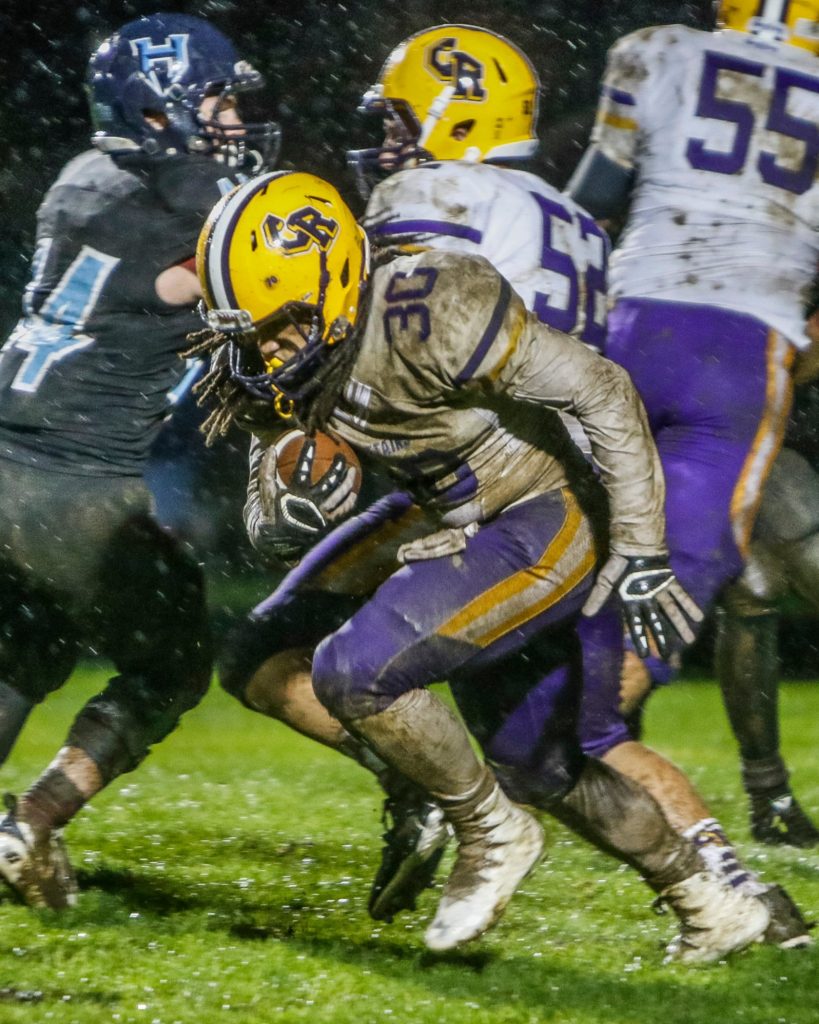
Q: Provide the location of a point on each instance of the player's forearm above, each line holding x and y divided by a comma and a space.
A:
615, 423
600, 185
269, 536
551, 369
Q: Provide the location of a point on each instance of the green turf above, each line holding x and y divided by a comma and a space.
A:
227, 880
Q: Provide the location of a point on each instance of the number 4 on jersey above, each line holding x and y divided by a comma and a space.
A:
55, 330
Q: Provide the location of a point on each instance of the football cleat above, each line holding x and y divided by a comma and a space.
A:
34, 863
715, 919
497, 850
413, 846
782, 822
787, 929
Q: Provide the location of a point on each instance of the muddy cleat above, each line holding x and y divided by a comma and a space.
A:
413, 846
715, 919
782, 822
35, 864
497, 849
787, 929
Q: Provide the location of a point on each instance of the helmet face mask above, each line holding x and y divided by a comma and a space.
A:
463, 93
283, 267
150, 80
773, 21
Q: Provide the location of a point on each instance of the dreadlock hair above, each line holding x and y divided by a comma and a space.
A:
217, 387
331, 377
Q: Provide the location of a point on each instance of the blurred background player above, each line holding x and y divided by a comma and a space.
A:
783, 561
712, 139
85, 380
441, 402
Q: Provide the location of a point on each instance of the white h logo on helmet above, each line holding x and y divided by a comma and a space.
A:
170, 56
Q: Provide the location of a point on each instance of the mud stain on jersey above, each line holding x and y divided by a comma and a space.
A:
778, 212
741, 88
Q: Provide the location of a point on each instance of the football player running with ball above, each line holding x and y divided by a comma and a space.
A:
713, 138
85, 381
430, 364
459, 105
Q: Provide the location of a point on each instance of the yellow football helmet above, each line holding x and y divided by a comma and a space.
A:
454, 92
789, 21
282, 249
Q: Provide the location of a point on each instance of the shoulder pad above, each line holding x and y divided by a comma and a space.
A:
186, 183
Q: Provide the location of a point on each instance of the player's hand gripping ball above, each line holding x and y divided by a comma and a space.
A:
317, 479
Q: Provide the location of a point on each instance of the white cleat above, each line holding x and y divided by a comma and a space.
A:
35, 864
495, 853
716, 920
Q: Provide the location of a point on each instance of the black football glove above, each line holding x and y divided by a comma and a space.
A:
653, 600
310, 507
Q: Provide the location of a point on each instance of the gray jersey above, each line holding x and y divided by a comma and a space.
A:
456, 390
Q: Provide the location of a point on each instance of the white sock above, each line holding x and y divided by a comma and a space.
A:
720, 857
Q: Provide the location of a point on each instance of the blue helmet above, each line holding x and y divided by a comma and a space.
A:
148, 80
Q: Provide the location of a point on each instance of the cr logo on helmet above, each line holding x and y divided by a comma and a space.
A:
451, 65
301, 231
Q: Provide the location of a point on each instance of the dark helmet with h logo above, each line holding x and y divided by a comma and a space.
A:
148, 81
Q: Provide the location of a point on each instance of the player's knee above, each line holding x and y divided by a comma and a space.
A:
246, 649
600, 735
183, 679
39, 642
278, 685
193, 686
349, 677
547, 780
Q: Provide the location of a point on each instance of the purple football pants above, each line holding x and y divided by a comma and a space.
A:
717, 389
497, 620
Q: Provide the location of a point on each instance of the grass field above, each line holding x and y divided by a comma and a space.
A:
227, 880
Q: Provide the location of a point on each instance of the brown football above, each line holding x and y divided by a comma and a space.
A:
288, 453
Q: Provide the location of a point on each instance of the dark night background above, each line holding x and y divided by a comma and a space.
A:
317, 57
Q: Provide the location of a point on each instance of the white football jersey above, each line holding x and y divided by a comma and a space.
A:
723, 134
548, 248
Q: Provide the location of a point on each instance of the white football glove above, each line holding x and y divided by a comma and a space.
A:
653, 600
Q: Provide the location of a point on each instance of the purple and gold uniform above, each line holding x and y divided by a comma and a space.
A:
455, 390
719, 131
549, 249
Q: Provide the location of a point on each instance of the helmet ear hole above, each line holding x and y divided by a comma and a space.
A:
345, 274
462, 129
